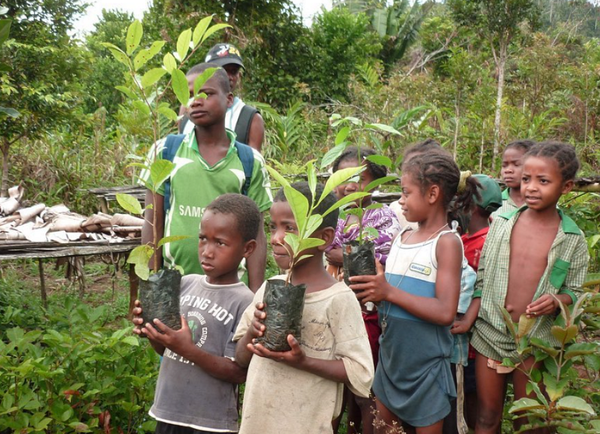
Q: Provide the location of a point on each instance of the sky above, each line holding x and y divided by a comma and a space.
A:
86, 23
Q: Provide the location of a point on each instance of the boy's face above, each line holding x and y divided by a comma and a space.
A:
221, 248
364, 178
512, 166
282, 223
210, 110
234, 72
542, 183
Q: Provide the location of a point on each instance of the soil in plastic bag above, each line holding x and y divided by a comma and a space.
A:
159, 296
359, 259
284, 305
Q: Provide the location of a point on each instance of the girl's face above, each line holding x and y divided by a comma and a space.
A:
413, 202
365, 178
282, 223
542, 183
512, 167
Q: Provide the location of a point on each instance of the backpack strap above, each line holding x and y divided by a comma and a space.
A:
242, 127
172, 144
246, 155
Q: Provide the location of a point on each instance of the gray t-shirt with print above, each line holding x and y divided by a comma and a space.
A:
185, 394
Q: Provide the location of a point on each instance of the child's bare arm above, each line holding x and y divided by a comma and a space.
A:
438, 310
333, 370
243, 354
465, 324
257, 260
180, 342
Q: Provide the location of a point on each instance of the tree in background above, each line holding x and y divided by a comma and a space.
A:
45, 66
499, 22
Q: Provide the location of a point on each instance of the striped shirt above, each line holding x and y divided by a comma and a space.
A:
566, 270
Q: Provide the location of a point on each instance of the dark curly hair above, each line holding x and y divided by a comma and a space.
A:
522, 144
330, 220
563, 153
435, 168
352, 153
219, 74
243, 209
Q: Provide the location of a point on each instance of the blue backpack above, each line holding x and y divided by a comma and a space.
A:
172, 144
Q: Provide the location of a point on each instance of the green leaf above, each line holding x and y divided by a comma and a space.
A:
152, 76
574, 403
509, 322
127, 92
4, 29
313, 223
311, 177
200, 29
581, 349
142, 107
15, 335
309, 243
338, 178
341, 135
131, 340
202, 79
10, 112
212, 30
146, 54
384, 127
171, 239
564, 335
180, 86
134, 36
544, 346
293, 242
169, 63
300, 206
183, 44
277, 176
140, 256
345, 200
377, 182
526, 323
118, 54
168, 113
370, 233
538, 393
554, 388
159, 172
129, 203
382, 160
525, 404
332, 155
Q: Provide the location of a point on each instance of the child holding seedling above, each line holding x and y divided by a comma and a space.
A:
386, 226
196, 390
533, 258
418, 295
207, 164
512, 166
300, 390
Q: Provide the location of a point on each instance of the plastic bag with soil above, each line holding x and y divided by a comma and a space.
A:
358, 259
284, 305
159, 296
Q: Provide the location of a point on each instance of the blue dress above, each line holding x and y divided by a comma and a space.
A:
413, 378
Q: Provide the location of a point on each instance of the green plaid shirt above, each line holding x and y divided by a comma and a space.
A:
567, 267
508, 205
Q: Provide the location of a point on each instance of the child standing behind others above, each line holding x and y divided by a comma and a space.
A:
512, 166
300, 391
419, 293
196, 390
532, 258
386, 223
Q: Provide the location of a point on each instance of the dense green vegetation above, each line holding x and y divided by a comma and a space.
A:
428, 69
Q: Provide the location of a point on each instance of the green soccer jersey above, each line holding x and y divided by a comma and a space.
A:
195, 184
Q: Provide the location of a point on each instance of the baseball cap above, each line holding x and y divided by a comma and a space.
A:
224, 54
491, 195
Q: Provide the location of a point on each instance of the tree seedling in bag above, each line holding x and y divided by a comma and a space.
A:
159, 288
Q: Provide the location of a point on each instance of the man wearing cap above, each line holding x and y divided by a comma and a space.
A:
243, 119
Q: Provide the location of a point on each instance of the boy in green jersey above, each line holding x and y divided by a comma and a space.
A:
207, 165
